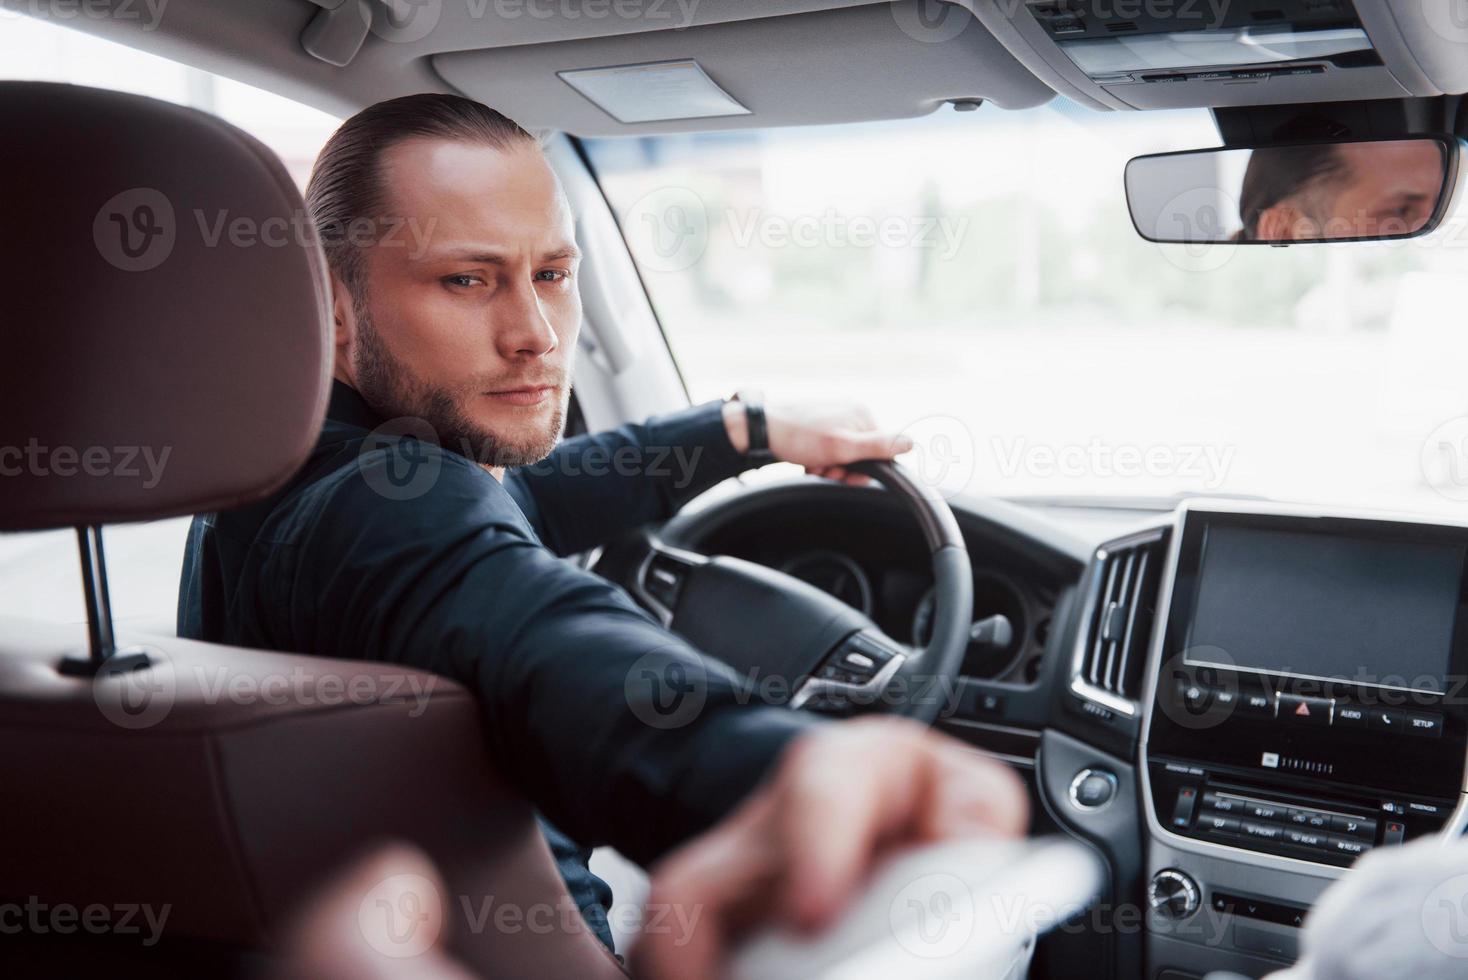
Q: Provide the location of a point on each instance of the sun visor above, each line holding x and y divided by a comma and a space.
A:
854, 64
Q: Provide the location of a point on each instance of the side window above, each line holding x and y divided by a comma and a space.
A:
51, 49
38, 570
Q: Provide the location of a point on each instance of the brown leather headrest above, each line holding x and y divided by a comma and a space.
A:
165, 308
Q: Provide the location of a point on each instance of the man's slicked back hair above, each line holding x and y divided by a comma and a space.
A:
346, 193
1277, 173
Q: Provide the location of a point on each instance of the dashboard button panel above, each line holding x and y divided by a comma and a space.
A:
1212, 806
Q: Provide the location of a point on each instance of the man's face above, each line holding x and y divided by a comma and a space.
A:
1392, 189
474, 332
1382, 188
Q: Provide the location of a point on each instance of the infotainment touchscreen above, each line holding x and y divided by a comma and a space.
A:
1313, 675
1364, 609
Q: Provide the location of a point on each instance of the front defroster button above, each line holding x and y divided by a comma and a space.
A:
1261, 831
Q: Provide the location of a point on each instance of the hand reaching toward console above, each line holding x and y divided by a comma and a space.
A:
841, 798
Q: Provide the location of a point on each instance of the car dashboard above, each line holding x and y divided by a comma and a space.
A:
1231, 701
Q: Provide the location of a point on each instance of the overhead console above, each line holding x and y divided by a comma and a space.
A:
1161, 54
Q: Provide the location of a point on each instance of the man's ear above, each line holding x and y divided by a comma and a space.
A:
344, 330
1284, 223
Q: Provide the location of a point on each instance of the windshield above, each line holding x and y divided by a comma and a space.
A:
974, 278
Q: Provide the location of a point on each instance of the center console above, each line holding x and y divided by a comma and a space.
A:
1304, 705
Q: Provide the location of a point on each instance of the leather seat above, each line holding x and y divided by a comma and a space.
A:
220, 784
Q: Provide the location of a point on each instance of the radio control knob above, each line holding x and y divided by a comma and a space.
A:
1173, 894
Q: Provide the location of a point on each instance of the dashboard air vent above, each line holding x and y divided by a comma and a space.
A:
1111, 650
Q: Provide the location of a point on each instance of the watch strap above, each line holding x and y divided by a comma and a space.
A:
759, 430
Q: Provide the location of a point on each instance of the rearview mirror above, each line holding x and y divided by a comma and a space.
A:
1354, 190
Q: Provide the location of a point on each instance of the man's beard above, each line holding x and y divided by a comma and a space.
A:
392, 390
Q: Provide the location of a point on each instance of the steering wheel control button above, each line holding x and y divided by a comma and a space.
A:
872, 649
1172, 894
663, 577
1182, 812
1091, 789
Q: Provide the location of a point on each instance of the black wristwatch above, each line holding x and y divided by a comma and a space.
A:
758, 452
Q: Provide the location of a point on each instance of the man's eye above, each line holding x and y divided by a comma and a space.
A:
460, 280
552, 275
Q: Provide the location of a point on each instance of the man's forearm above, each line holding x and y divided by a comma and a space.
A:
593, 487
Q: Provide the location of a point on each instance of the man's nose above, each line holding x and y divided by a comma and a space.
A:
524, 330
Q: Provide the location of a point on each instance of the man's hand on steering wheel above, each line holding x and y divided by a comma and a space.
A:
821, 438
800, 846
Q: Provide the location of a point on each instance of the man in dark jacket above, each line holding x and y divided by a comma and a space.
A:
428, 526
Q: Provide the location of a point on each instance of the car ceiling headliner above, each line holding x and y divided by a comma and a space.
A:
790, 61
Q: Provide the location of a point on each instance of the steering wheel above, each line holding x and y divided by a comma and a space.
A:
810, 649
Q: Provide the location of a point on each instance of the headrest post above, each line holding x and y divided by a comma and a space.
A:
104, 655
94, 587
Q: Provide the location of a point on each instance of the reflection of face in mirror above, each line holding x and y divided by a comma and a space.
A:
1351, 190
